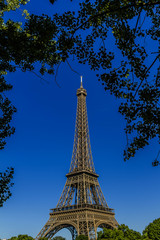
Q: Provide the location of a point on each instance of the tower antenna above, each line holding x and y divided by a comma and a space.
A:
81, 81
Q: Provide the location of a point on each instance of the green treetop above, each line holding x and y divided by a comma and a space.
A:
22, 237
81, 237
122, 233
58, 238
152, 231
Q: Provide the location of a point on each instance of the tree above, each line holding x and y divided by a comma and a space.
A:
128, 77
131, 80
20, 48
81, 237
122, 233
152, 231
22, 237
129, 233
58, 238
5, 184
129, 24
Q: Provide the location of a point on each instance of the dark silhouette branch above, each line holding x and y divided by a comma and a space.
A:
33, 73
137, 20
146, 74
39, 76
72, 68
155, 163
118, 9
143, 21
57, 74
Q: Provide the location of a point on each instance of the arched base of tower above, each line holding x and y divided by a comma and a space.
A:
50, 230
84, 221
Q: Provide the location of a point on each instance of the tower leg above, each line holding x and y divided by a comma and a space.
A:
73, 232
88, 228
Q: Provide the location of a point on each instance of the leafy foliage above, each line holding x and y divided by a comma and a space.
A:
52, 1
85, 34
55, 238
43, 238
5, 184
81, 237
152, 231
22, 237
123, 232
6, 108
20, 48
132, 81
58, 238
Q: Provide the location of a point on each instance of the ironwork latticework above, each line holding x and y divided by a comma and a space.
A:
82, 207
82, 156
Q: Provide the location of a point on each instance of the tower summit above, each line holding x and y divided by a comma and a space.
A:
81, 81
82, 207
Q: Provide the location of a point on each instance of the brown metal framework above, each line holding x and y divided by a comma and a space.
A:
82, 207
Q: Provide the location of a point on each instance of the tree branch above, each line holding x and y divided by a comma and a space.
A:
143, 20
117, 9
39, 76
72, 68
137, 20
57, 74
146, 74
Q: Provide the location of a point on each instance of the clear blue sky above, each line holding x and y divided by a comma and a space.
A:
41, 149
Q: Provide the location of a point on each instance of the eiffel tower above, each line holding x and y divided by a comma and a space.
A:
82, 207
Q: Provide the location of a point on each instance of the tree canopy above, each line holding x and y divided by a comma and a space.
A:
43, 238
127, 72
26, 237
123, 232
5, 185
22, 237
58, 238
128, 76
82, 237
20, 48
152, 231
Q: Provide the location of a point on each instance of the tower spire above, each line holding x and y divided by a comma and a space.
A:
81, 81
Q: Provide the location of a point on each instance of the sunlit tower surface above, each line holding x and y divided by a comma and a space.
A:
82, 207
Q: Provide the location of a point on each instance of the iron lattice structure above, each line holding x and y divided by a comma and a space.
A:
82, 207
